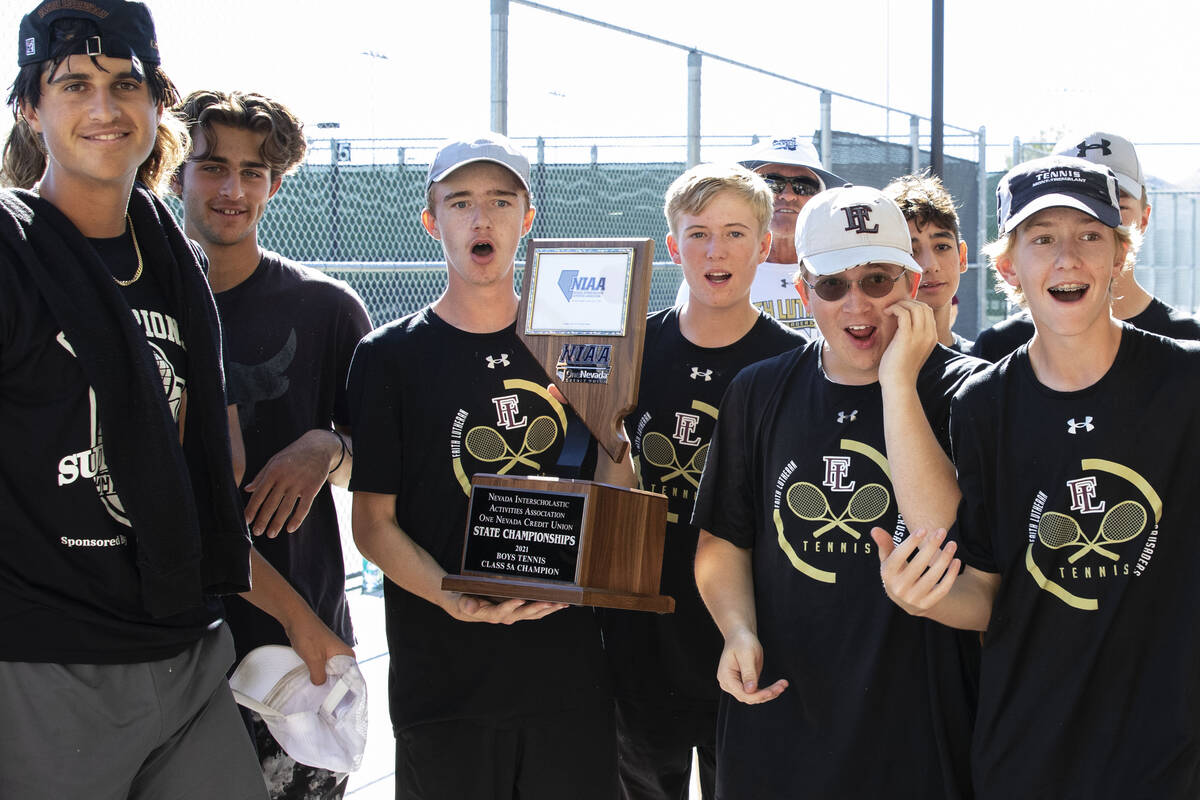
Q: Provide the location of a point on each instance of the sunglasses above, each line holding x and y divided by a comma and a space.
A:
874, 284
804, 187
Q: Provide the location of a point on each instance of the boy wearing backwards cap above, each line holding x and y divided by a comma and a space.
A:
489, 698
1130, 301
792, 169
663, 663
120, 501
825, 680
1074, 547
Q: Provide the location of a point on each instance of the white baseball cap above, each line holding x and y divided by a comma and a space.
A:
842, 228
491, 146
794, 150
322, 726
1115, 152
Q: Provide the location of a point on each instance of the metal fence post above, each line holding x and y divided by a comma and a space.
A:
914, 142
826, 130
983, 282
500, 66
1191, 270
693, 111
1018, 151
539, 186
333, 200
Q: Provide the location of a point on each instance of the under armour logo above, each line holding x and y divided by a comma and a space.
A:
857, 218
1083, 147
698, 373
502, 361
844, 417
783, 284
1086, 426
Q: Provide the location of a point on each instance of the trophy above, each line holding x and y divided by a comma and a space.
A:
583, 317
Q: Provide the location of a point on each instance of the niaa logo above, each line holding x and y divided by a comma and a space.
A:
572, 284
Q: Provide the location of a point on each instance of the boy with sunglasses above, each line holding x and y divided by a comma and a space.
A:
791, 168
1074, 547
829, 689
663, 663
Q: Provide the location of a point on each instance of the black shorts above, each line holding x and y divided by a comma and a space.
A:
543, 757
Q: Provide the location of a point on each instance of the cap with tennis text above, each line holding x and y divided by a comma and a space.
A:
1056, 181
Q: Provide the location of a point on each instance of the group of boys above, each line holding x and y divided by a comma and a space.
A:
847, 440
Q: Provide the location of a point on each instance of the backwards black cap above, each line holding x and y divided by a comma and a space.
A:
119, 29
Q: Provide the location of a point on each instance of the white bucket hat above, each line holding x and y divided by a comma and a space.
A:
322, 726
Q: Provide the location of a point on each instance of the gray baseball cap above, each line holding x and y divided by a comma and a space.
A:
1115, 152
492, 147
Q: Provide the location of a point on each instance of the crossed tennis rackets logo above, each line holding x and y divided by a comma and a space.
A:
868, 503
488, 445
658, 450
1121, 523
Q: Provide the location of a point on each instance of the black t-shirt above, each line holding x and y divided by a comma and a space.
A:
879, 703
961, 345
69, 584
290, 334
1090, 683
1007, 335
671, 659
417, 387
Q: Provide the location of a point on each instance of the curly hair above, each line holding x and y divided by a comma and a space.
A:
924, 200
283, 146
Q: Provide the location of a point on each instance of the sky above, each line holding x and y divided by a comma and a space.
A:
406, 69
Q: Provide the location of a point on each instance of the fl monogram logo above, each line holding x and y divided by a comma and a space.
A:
1074, 427
502, 361
1083, 147
857, 218
698, 373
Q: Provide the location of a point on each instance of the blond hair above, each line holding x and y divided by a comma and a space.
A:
692, 191
1124, 237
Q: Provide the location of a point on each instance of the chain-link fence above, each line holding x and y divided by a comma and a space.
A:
354, 207
1171, 250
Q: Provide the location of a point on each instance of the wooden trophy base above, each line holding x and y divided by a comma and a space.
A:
564, 541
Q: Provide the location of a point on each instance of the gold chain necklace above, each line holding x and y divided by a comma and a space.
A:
137, 251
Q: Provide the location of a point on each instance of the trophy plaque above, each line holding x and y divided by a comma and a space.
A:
583, 317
